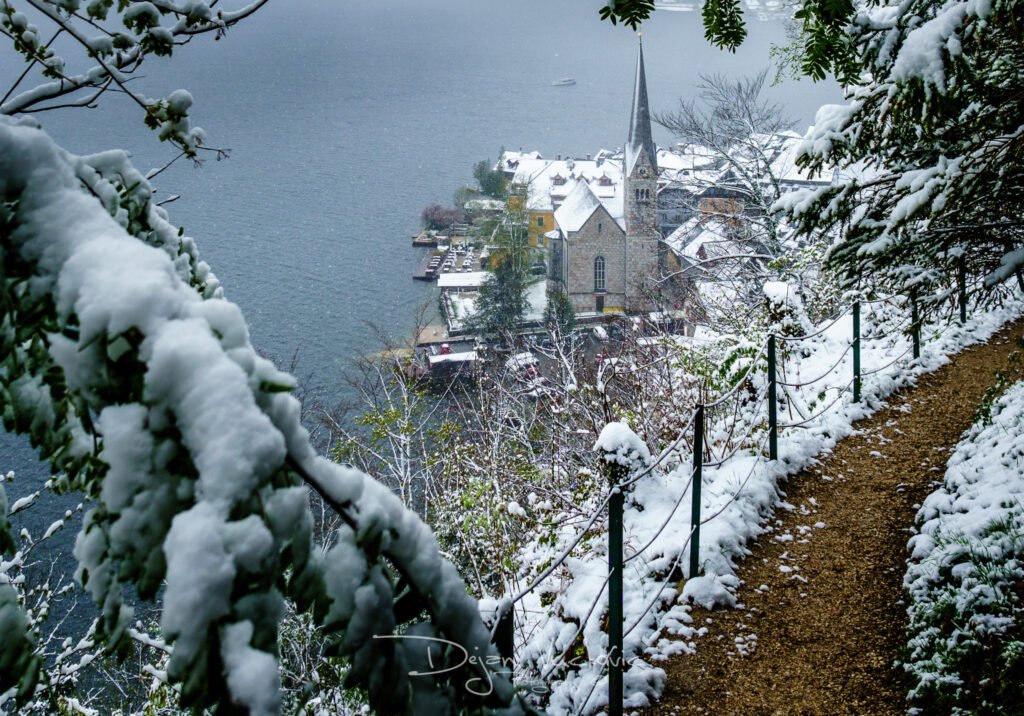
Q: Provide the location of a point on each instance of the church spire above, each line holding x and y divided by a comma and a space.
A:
640, 120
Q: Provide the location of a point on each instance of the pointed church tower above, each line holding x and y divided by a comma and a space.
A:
640, 200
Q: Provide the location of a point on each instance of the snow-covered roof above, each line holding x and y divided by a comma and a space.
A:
463, 357
579, 205
520, 360
678, 238
484, 205
698, 233
463, 305
687, 166
784, 166
468, 279
509, 161
548, 182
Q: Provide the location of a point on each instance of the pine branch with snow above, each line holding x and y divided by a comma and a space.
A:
931, 148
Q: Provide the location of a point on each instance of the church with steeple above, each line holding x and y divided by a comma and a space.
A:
604, 251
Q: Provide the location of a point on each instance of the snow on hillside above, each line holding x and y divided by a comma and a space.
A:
561, 622
966, 572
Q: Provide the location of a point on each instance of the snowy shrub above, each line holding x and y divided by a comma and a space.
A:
965, 579
135, 378
928, 148
1004, 379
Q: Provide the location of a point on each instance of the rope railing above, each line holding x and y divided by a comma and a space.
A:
827, 373
834, 321
891, 363
741, 410
694, 527
738, 444
841, 392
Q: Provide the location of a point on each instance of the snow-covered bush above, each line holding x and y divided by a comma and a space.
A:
965, 579
33, 595
136, 379
928, 146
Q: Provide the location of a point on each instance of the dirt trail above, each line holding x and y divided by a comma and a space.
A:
829, 624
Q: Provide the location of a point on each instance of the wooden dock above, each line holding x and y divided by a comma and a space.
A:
433, 334
421, 273
424, 240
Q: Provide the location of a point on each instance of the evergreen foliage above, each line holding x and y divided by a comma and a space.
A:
502, 303
559, 316
822, 46
935, 137
491, 180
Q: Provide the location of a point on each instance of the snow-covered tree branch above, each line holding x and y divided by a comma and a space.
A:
108, 45
136, 379
932, 143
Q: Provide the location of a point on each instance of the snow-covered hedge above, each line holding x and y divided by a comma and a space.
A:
136, 379
965, 579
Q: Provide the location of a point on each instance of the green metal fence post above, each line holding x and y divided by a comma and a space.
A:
698, 463
615, 692
773, 418
503, 636
856, 351
962, 281
915, 326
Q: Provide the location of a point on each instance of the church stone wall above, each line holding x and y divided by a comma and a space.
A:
599, 236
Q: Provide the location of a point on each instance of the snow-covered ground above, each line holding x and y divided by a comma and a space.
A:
561, 639
966, 573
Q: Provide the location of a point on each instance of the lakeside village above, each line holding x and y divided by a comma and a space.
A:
641, 238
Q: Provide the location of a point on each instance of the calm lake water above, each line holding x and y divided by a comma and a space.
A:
345, 118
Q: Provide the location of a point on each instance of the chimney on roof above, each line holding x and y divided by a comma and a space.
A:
588, 157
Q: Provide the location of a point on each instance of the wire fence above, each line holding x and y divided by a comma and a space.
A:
744, 418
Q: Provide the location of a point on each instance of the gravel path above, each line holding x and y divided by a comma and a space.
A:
823, 619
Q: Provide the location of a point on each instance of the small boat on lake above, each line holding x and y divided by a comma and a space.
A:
564, 82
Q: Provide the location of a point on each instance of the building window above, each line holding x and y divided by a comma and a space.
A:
540, 221
599, 227
599, 273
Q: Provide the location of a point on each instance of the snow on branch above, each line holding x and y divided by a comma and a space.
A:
133, 375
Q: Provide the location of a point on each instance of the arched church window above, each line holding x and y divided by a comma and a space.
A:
599, 273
